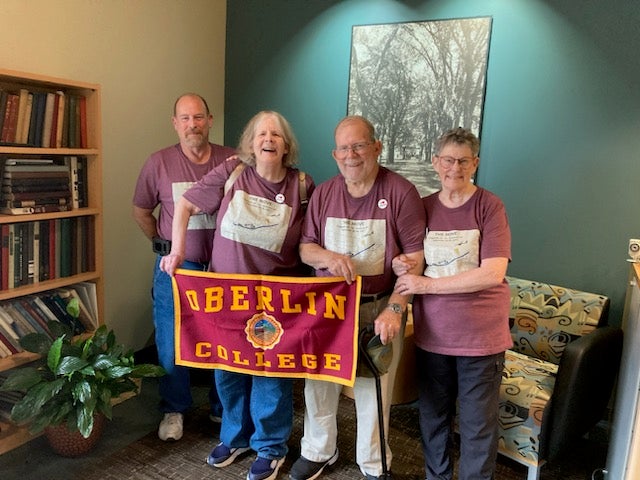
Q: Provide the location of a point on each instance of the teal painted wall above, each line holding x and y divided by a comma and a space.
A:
561, 127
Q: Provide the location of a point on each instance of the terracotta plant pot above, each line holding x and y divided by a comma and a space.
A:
73, 444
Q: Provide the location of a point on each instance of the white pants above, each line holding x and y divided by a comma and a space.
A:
319, 441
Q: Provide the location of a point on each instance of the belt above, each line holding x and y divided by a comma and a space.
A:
367, 298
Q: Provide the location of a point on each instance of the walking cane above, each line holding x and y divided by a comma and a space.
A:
363, 345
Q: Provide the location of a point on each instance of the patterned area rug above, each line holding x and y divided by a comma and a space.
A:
151, 459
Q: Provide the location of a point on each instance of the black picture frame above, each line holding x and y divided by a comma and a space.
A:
414, 81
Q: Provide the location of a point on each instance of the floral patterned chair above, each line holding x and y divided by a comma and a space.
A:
560, 372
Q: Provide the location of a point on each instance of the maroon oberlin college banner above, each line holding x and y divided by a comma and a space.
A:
299, 327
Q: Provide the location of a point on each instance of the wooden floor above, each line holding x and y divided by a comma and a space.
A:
132, 450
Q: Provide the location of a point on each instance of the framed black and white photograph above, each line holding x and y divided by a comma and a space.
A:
416, 80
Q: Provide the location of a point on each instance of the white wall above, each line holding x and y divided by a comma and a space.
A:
144, 53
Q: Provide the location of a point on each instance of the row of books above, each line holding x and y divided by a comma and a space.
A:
43, 119
32, 252
32, 313
39, 185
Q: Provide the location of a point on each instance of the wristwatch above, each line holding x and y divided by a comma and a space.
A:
394, 307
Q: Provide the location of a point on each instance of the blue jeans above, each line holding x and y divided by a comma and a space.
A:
175, 386
257, 412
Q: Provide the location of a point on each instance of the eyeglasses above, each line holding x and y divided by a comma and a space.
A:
449, 162
357, 148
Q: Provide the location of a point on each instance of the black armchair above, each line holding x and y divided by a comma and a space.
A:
560, 373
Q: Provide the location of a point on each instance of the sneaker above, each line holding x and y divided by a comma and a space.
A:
221, 456
171, 426
304, 469
265, 469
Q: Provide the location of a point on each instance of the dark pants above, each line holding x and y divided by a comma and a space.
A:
475, 383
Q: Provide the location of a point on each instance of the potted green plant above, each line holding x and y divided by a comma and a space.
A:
75, 380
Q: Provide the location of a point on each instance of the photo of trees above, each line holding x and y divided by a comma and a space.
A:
416, 80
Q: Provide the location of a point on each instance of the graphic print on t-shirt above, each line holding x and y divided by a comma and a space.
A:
451, 252
256, 221
362, 240
201, 221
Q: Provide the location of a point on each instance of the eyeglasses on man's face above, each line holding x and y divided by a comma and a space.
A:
357, 148
449, 162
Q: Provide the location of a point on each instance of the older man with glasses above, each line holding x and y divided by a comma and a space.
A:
356, 223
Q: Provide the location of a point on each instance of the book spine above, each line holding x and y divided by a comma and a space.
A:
35, 187
29, 174
35, 170
4, 233
6, 118
17, 211
34, 272
62, 100
48, 119
83, 193
7, 342
34, 323
20, 324
75, 325
41, 101
57, 256
35, 195
36, 312
66, 238
33, 120
22, 113
8, 329
74, 181
53, 248
46, 311
70, 123
11, 120
83, 121
11, 258
27, 120
27, 253
3, 107
18, 259
44, 250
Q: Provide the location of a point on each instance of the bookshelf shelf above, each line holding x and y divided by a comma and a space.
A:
5, 149
80, 212
87, 146
92, 276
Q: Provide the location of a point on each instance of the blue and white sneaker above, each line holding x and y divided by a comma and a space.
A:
221, 456
265, 469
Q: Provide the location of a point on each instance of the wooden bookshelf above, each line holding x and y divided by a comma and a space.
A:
91, 149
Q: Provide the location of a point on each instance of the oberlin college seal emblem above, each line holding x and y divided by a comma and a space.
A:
263, 331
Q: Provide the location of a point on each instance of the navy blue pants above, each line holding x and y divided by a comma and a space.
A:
474, 382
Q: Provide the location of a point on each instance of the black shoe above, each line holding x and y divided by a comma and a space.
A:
381, 477
304, 469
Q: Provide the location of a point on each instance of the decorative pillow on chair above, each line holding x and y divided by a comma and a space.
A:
526, 387
545, 318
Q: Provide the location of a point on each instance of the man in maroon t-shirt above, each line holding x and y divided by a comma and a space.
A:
165, 176
356, 223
